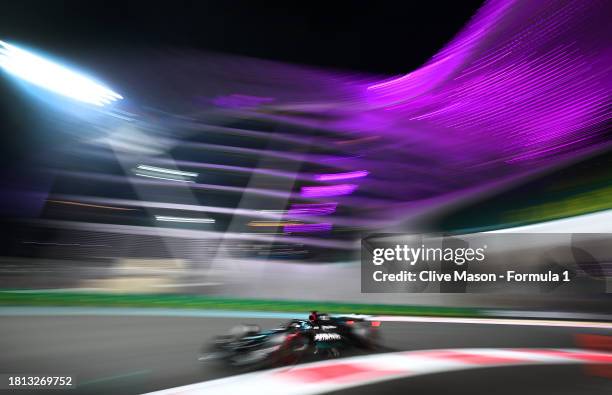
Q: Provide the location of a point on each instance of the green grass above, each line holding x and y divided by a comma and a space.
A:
13, 298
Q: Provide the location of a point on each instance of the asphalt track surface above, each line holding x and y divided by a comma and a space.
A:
136, 354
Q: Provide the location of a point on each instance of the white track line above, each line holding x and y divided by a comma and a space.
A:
496, 321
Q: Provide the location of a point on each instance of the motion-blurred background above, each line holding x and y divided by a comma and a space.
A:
224, 157
254, 145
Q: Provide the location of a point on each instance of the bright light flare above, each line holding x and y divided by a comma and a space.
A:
331, 190
54, 77
168, 171
341, 176
185, 219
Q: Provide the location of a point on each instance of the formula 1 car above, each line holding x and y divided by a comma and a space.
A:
247, 346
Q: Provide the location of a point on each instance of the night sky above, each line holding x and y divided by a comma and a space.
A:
374, 36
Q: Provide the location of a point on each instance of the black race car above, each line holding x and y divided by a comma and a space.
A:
297, 340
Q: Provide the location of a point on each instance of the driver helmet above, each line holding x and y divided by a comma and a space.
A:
313, 316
